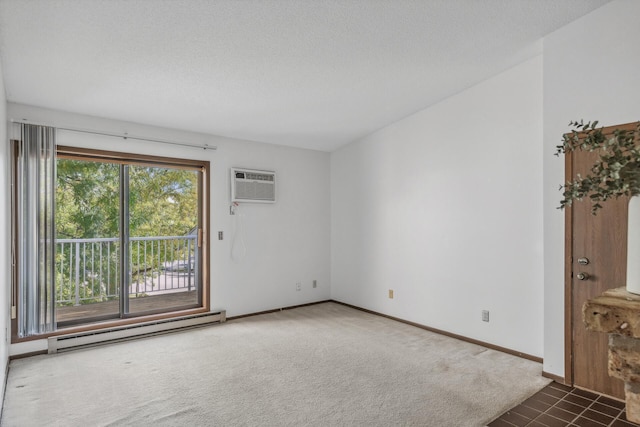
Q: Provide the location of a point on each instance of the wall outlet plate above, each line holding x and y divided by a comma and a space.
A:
390, 293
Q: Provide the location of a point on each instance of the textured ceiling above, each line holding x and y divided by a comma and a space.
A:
309, 73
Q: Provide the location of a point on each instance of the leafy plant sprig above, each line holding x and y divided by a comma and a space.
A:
617, 171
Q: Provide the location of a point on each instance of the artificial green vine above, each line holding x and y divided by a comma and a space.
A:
615, 174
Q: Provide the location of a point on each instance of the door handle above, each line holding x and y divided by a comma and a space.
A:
582, 276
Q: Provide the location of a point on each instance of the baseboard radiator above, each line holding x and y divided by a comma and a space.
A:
68, 342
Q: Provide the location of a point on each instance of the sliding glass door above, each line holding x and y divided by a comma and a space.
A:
128, 238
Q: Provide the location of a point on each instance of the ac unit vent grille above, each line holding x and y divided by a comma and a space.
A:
255, 186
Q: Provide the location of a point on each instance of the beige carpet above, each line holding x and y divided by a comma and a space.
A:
321, 365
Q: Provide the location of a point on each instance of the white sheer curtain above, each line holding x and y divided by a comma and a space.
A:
35, 232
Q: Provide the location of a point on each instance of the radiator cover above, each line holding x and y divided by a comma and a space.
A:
67, 342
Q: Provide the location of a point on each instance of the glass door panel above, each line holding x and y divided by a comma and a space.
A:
164, 259
87, 244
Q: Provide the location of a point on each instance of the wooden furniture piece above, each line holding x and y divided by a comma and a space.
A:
617, 313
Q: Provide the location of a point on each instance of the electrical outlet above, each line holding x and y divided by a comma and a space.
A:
220, 235
390, 293
485, 315
298, 286
315, 284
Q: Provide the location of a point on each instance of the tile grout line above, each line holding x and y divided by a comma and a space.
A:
615, 418
590, 399
577, 415
590, 407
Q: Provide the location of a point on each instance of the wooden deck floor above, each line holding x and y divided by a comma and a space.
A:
136, 305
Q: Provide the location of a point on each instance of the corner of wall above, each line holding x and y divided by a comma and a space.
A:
5, 237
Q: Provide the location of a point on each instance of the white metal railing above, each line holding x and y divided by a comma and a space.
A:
88, 270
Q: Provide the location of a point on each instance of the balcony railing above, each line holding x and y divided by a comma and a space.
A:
88, 270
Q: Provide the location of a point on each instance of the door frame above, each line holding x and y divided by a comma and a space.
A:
203, 239
568, 260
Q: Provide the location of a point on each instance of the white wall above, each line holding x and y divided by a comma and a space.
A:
287, 242
590, 72
5, 236
444, 207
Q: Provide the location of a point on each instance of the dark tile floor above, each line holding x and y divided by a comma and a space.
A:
557, 405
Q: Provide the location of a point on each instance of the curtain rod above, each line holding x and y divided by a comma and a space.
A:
117, 135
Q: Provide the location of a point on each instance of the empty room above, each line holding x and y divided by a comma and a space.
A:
320, 213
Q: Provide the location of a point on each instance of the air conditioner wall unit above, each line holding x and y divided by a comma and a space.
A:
253, 186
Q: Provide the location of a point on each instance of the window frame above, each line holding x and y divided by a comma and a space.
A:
68, 152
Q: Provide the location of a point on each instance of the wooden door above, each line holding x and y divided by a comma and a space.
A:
602, 240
